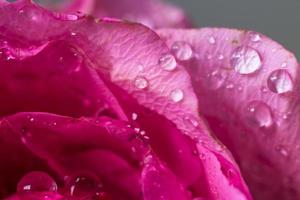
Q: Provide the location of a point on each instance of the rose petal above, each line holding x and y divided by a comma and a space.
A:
134, 59
152, 13
36, 196
56, 86
247, 87
159, 183
70, 145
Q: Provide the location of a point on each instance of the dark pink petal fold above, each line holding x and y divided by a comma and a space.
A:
248, 90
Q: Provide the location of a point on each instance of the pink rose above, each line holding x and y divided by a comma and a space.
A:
100, 108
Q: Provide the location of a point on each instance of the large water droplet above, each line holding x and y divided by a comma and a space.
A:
182, 50
259, 114
168, 62
141, 83
84, 185
177, 95
246, 60
280, 81
37, 181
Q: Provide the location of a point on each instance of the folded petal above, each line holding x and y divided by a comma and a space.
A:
159, 183
68, 147
247, 87
152, 13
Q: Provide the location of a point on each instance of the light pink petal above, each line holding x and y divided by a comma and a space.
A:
152, 13
247, 87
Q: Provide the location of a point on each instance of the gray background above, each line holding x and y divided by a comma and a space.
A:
278, 19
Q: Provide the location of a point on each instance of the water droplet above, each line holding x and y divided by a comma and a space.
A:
211, 40
259, 114
141, 83
182, 50
284, 64
264, 89
216, 79
191, 121
282, 150
140, 68
134, 116
230, 86
37, 181
168, 62
255, 37
31, 119
280, 81
84, 185
177, 95
71, 17
73, 34
221, 57
246, 60
209, 56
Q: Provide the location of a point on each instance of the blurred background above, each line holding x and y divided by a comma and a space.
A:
278, 19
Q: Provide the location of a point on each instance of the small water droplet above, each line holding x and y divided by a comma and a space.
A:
259, 114
246, 60
84, 185
209, 56
255, 37
73, 34
216, 79
168, 62
71, 17
134, 116
177, 95
140, 68
182, 50
230, 86
141, 83
284, 65
37, 181
191, 121
280, 81
282, 150
220, 57
211, 40
264, 89
31, 119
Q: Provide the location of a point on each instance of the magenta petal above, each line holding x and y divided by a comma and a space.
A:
70, 145
36, 196
159, 183
247, 87
56, 86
